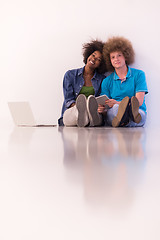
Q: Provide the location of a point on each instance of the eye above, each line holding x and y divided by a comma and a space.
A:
99, 59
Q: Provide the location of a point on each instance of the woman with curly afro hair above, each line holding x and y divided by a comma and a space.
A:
125, 86
79, 84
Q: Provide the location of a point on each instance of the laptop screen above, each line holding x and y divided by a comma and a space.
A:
21, 113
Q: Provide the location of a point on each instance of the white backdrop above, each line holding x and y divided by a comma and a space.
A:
41, 39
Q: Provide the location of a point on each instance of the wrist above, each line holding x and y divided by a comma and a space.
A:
72, 105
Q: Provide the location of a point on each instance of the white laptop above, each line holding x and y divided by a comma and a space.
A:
23, 116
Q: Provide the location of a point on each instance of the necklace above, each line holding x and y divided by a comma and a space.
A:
123, 79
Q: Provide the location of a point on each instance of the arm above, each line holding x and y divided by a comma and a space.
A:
105, 90
68, 90
140, 97
141, 87
110, 102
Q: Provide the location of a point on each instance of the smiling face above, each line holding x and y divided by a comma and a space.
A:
117, 60
94, 60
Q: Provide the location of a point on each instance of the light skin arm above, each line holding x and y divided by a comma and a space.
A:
111, 102
140, 97
101, 109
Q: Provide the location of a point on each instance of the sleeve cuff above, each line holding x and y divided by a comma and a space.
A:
68, 104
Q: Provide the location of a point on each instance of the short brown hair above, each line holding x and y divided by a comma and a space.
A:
118, 44
89, 48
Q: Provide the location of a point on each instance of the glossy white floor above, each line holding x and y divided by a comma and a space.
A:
80, 183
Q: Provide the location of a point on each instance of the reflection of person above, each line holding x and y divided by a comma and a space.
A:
108, 166
126, 87
81, 83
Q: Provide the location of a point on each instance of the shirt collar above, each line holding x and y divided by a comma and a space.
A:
116, 77
80, 72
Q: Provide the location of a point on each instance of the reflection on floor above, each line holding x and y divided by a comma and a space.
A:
112, 161
80, 183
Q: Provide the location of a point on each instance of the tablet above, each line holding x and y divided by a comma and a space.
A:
101, 99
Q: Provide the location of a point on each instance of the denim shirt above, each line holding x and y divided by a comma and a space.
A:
73, 82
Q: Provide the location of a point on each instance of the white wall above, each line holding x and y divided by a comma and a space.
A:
41, 39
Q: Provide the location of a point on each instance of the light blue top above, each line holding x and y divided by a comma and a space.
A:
116, 89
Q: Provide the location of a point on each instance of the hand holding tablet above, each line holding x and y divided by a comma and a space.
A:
101, 99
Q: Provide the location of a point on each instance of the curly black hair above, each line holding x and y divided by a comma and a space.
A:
118, 44
89, 48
